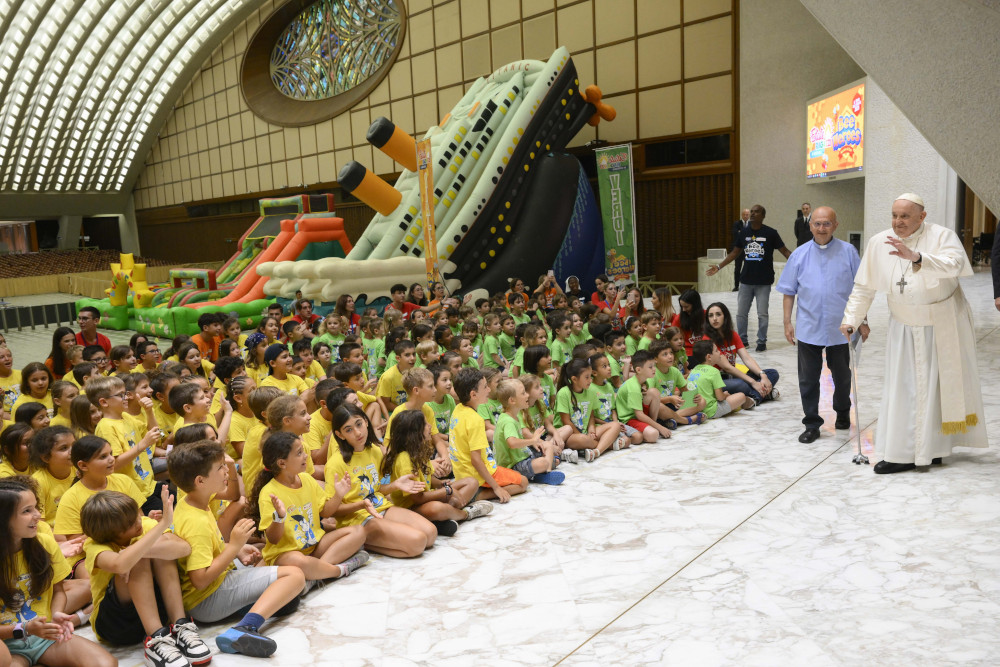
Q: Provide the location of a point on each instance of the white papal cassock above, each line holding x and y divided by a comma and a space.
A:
931, 398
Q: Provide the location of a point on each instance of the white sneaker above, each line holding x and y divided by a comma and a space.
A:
570, 456
478, 508
162, 651
775, 394
590, 455
190, 643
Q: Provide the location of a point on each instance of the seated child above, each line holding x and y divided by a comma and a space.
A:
491, 409
392, 531
532, 457
390, 386
575, 408
651, 321
409, 453
291, 508
49, 456
133, 456
669, 382
707, 380
212, 589
470, 451
131, 561
36, 627
638, 406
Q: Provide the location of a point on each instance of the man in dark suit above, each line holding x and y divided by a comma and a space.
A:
802, 232
738, 227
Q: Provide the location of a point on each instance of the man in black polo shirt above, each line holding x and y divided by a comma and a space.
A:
757, 246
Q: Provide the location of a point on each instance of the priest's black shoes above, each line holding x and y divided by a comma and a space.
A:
809, 435
843, 424
886, 468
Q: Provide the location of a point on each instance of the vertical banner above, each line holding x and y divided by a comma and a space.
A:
425, 174
614, 180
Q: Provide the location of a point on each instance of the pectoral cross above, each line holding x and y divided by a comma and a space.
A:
902, 283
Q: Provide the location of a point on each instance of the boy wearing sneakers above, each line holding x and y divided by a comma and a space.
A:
470, 452
637, 406
707, 379
131, 561
212, 589
532, 457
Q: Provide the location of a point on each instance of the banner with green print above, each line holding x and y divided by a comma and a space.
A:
615, 183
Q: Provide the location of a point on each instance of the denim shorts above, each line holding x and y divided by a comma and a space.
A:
30, 648
524, 466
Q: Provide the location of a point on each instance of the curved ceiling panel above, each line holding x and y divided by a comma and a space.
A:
83, 84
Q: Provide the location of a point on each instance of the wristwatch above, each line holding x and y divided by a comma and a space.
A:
19, 631
448, 490
277, 519
919, 259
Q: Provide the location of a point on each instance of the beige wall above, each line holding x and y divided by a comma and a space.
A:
786, 59
665, 73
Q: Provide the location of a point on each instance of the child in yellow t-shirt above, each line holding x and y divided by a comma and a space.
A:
442, 502
390, 386
289, 414
470, 451
242, 420
392, 531
252, 463
131, 561
94, 464
133, 456
49, 455
291, 509
37, 623
210, 587
63, 394
279, 362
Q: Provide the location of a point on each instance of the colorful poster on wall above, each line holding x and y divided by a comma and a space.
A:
615, 183
425, 175
835, 123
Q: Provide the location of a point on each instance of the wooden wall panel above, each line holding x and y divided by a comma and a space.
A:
680, 218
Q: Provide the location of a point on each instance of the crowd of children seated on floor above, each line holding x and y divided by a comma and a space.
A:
133, 480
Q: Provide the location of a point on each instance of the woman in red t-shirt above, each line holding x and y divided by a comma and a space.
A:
756, 383
633, 306
345, 308
600, 282
691, 319
58, 361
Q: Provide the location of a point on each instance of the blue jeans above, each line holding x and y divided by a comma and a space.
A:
734, 385
747, 294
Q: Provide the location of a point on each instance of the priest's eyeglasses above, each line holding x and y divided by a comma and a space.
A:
822, 225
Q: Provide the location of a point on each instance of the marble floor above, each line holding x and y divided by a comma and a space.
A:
729, 544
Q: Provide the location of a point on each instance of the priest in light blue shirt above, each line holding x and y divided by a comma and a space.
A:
821, 274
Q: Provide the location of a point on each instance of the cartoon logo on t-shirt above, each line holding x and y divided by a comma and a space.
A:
604, 408
441, 421
368, 490
754, 250
400, 397
305, 536
25, 613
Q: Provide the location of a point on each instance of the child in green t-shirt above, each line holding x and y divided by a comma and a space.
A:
490, 409
676, 338
669, 382
444, 403
707, 380
604, 401
574, 407
650, 321
634, 329
637, 405
533, 457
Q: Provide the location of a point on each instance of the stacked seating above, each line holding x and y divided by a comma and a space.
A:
60, 262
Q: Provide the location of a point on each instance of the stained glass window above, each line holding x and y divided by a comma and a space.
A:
333, 46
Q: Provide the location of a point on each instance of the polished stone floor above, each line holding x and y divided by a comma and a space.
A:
729, 544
